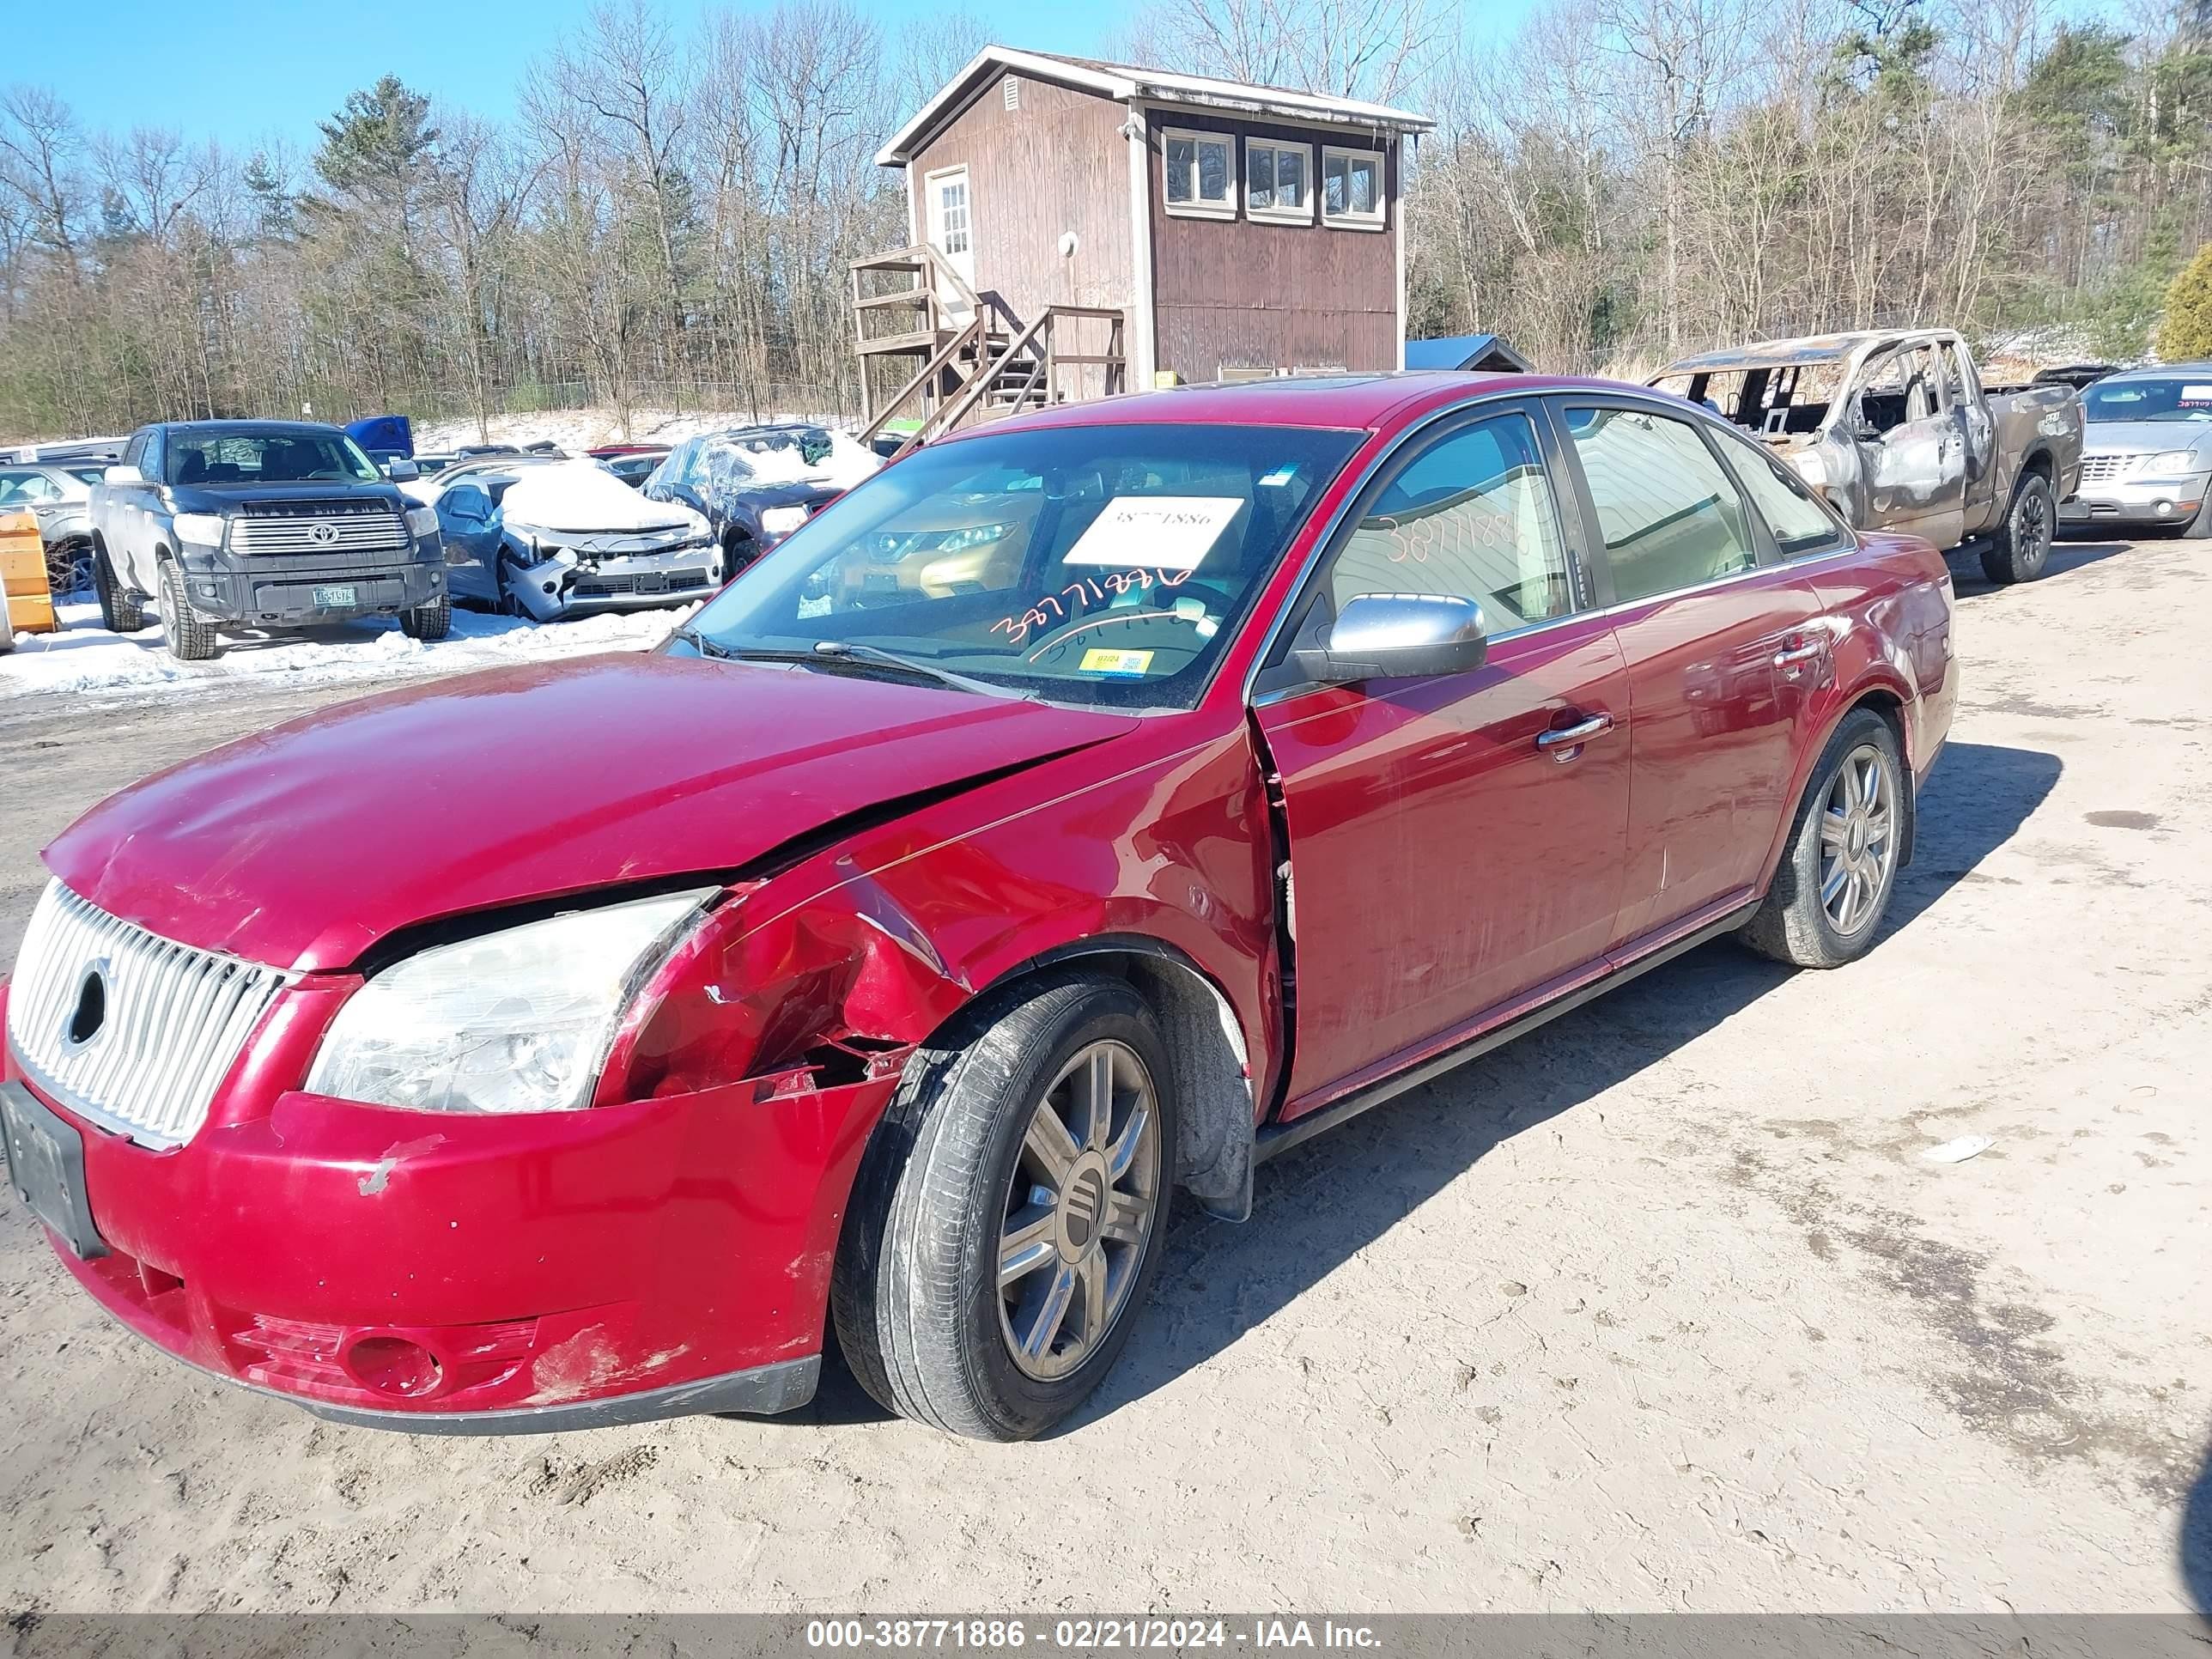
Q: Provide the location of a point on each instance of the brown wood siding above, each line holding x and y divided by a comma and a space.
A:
1231, 293
1058, 163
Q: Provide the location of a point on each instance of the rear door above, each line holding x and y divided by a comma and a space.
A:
1450, 850
1722, 642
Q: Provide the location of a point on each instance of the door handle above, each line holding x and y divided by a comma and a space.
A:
1565, 742
1795, 654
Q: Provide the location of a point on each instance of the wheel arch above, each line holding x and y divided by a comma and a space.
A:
1886, 698
1216, 1108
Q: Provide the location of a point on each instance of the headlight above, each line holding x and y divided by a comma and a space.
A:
976, 535
421, 521
782, 520
200, 529
516, 1021
2171, 460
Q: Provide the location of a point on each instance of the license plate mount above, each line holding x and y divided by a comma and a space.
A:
45, 1166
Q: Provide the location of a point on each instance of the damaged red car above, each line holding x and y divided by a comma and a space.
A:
1057, 826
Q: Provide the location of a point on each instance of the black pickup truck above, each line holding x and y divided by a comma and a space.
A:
259, 525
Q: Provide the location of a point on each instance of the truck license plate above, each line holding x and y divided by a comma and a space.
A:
327, 598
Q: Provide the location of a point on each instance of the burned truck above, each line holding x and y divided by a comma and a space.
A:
1895, 428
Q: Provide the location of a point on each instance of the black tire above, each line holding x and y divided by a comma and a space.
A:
915, 1295
119, 612
190, 639
738, 551
429, 622
2021, 547
1794, 924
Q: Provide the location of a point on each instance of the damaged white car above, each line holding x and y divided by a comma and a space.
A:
570, 538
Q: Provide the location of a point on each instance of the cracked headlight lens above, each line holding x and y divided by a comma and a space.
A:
516, 1021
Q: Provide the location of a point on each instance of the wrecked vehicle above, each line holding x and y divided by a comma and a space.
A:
60, 496
1895, 428
894, 966
2148, 459
569, 538
758, 483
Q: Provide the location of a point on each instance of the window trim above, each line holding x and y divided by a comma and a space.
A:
1278, 215
1197, 208
1349, 219
1273, 676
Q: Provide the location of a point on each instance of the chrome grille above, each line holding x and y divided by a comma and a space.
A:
2103, 468
319, 528
173, 1018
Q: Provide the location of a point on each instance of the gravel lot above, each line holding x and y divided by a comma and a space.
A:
1659, 1309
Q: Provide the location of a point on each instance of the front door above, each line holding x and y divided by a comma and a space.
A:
1722, 650
1448, 852
1911, 449
952, 233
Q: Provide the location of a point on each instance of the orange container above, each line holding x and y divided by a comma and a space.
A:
24, 574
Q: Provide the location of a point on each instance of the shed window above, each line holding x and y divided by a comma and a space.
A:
1201, 172
1352, 187
1279, 181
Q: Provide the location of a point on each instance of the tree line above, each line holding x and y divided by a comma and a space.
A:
667, 217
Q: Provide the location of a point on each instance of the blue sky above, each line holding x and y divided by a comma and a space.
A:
244, 71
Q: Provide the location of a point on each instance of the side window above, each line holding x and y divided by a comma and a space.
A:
134, 452
1471, 516
1670, 516
13, 488
1800, 527
467, 501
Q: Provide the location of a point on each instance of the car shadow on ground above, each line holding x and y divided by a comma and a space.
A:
2067, 555
1317, 1208
2195, 1540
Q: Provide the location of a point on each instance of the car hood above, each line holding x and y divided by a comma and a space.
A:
2138, 437
230, 497
305, 845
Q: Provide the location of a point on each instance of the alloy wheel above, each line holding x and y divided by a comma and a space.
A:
2032, 531
1858, 840
1079, 1210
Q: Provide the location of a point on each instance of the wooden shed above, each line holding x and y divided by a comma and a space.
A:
1077, 226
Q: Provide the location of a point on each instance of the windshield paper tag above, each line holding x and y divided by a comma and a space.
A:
1100, 660
1168, 533
2196, 394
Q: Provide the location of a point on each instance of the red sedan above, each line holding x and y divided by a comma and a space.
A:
570, 1044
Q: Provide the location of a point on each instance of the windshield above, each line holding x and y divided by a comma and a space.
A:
253, 458
1103, 565
2187, 398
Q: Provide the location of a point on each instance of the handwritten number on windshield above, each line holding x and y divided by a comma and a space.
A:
1085, 591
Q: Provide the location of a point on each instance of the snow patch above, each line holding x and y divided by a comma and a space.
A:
85, 659
583, 496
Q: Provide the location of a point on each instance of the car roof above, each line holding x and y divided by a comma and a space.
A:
301, 429
2162, 371
1356, 401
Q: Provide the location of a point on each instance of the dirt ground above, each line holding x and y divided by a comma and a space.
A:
1658, 1308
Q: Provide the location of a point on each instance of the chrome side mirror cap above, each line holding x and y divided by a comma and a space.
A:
1385, 637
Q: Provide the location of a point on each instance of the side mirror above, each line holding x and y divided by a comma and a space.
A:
123, 475
1387, 636
400, 469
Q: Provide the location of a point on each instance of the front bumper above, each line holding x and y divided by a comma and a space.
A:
2137, 501
276, 591
640, 582
452, 1274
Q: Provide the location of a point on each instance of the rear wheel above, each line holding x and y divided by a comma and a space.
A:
2022, 545
1840, 865
429, 622
68, 567
190, 640
119, 612
1007, 1221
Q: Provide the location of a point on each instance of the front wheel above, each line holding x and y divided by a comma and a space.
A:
1840, 865
190, 639
1007, 1220
428, 621
2021, 547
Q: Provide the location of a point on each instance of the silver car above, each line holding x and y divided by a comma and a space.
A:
60, 495
2147, 454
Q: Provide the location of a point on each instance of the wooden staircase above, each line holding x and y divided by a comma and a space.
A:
977, 360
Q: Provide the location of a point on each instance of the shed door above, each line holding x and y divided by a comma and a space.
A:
952, 228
